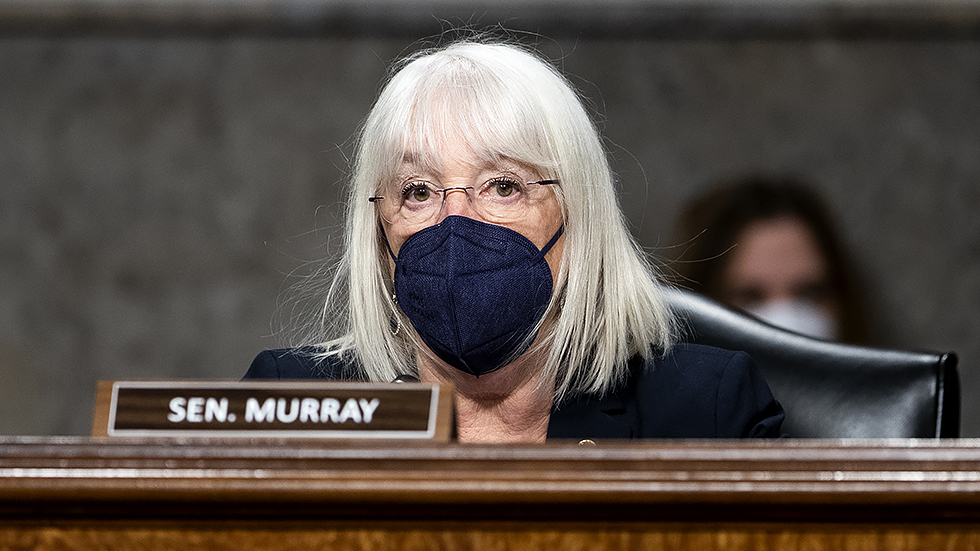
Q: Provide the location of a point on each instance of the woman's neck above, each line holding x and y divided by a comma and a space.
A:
509, 405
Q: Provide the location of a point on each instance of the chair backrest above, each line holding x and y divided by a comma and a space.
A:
834, 390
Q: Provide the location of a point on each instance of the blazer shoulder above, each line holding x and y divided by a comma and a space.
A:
693, 366
709, 391
700, 354
298, 363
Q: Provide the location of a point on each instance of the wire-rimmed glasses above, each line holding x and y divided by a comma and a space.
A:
497, 201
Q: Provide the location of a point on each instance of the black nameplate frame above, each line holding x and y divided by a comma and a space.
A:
302, 409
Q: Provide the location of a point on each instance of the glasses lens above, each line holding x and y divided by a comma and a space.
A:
504, 200
419, 203
387, 208
496, 201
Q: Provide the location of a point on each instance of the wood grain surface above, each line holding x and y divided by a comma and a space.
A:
654, 538
90, 493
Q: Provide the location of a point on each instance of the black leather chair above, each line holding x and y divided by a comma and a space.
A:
833, 390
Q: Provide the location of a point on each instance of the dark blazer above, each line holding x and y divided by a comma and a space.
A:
692, 392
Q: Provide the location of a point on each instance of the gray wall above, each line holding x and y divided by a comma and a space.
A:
157, 189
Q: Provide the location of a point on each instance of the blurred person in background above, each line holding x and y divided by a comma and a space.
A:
768, 246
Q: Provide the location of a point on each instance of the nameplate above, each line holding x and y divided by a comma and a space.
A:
277, 409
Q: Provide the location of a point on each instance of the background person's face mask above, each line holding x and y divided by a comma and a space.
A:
473, 291
799, 315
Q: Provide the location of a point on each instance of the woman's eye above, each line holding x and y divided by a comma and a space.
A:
420, 193
503, 187
417, 193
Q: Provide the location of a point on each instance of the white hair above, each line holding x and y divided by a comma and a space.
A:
502, 101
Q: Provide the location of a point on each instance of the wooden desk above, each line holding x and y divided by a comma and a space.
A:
84, 493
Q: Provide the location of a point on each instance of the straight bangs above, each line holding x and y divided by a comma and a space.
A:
455, 99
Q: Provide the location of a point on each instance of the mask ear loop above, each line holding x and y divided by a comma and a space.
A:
395, 323
387, 244
538, 258
547, 246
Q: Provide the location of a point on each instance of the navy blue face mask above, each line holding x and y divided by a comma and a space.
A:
473, 291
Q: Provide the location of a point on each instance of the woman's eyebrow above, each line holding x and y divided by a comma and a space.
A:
506, 166
409, 167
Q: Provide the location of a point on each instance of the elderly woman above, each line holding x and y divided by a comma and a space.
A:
485, 248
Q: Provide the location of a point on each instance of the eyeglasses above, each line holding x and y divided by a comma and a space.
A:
498, 200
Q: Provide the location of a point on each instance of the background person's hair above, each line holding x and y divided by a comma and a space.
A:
708, 227
501, 100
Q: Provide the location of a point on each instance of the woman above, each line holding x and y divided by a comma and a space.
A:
768, 246
485, 248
